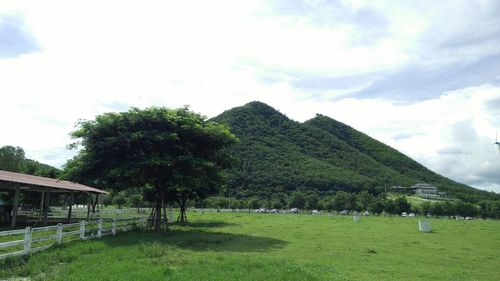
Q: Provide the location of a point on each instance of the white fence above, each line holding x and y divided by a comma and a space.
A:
40, 238
80, 212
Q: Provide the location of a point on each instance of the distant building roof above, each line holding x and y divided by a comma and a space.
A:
424, 186
400, 187
43, 184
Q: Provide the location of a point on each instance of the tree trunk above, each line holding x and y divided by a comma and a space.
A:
182, 212
157, 218
94, 204
164, 206
152, 214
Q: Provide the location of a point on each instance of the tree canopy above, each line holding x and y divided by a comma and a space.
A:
169, 151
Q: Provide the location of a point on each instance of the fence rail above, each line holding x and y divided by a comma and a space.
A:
41, 238
30, 213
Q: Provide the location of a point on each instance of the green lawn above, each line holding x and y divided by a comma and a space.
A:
412, 199
222, 246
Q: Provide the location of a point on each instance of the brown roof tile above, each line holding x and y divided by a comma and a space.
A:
46, 182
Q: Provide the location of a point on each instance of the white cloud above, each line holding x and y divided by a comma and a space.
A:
452, 134
100, 56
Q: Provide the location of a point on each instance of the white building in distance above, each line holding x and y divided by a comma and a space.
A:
423, 190
428, 191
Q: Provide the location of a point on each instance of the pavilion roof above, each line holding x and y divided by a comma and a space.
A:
44, 184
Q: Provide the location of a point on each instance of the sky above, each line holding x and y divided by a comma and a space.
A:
420, 76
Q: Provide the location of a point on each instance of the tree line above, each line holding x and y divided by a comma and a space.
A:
308, 201
360, 202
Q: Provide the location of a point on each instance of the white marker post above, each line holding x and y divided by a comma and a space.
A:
356, 218
424, 226
171, 216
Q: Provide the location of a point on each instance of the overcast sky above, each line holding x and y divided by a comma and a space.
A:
421, 76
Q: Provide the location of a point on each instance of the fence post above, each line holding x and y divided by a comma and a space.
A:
59, 233
113, 226
82, 230
27, 240
99, 229
144, 222
126, 225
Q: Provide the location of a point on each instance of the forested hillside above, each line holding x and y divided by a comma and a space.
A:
276, 154
392, 158
13, 159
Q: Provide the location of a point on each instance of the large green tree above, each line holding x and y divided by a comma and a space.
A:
167, 151
11, 158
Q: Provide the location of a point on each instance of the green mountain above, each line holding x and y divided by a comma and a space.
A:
13, 159
276, 154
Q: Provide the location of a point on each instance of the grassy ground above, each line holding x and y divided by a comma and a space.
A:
412, 199
224, 246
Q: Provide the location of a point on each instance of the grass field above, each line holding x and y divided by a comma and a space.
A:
412, 199
225, 246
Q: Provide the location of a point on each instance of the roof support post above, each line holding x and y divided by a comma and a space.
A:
42, 199
71, 198
16, 205
88, 205
95, 205
46, 208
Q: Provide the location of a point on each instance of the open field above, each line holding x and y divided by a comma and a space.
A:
226, 246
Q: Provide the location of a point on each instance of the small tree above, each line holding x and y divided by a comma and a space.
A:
390, 207
327, 204
276, 204
377, 205
401, 205
135, 200
438, 209
340, 201
352, 202
297, 200
426, 207
312, 201
119, 200
365, 199
253, 203
107, 200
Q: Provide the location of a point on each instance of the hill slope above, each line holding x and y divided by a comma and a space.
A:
12, 159
277, 154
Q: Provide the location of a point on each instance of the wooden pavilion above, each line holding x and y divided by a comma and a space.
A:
16, 182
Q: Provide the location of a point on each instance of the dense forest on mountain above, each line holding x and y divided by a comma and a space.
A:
278, 155
13, 159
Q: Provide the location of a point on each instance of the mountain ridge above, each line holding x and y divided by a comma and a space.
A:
278, 154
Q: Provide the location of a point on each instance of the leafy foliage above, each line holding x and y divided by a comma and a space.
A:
278, 155
396, 161
173, 153
13, 159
